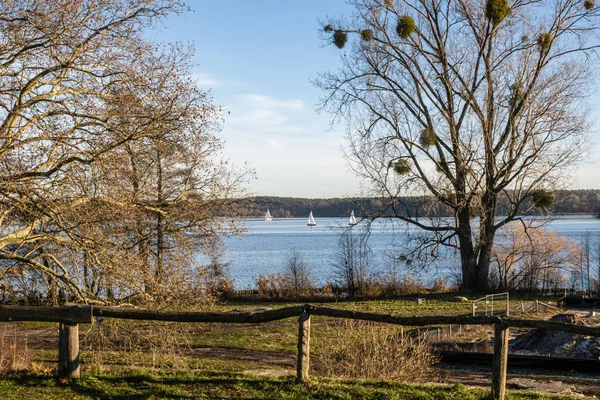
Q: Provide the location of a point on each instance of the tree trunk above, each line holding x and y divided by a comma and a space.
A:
467, 253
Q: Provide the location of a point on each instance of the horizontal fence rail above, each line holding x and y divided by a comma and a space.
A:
77, 314
189, 316
69, 316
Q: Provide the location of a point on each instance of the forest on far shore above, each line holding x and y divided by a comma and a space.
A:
583, 201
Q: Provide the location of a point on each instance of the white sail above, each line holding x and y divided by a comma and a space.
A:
268, 216
352, 219
311, 220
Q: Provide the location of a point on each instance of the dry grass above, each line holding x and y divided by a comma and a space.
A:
139, 343
14, 354
363, 350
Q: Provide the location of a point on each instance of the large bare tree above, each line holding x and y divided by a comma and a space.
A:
465, 102
107, 150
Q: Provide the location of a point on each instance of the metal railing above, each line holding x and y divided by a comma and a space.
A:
493, 304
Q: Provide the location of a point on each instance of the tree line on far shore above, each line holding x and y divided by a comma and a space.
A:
583, 201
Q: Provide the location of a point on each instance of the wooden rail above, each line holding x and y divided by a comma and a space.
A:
189, 316
71, 315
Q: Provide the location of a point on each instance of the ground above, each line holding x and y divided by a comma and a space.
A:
259, 355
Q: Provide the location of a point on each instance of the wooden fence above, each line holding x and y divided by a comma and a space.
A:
69, 317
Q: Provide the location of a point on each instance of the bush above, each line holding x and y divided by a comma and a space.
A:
14, 354
153, 344
366, 350
272, 286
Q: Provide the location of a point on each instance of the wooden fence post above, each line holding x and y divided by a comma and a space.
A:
68, 351
500, 361
303, 347
62, 347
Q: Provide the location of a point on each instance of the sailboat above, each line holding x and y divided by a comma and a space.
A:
311, 220
352, 220
268, 216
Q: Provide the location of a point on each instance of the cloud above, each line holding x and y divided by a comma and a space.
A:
262, 116
261, 101
203, 80
287, 144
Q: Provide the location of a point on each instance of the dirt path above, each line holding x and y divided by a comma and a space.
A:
546, 384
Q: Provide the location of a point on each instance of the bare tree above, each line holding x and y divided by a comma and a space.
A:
106, 150
464, 101
528, 257
298, 275
352, 263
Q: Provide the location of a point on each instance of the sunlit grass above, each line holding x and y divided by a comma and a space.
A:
149, 384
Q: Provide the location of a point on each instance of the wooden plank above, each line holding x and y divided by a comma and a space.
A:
188, 316
79, 313
62, 350
73, 370
398, 320
553, 325
303, 361
500, 361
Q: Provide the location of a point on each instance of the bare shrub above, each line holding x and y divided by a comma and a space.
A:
136, 343
272, 286
14, 354
299, 277
352, 263
440, 286
366, 350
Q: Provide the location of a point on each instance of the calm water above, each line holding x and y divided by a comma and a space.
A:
267, 246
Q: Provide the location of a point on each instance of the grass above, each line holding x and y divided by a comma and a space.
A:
120, 361
147, 384
267, 337
131, 349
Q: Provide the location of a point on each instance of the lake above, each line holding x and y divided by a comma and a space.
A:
267, 246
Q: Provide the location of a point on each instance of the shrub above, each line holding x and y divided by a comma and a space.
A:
14, 354
405, 27
272, 286
440, 285
366, 350
154, 344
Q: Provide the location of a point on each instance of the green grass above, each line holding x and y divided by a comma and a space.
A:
131, 374
145, 384
267, 337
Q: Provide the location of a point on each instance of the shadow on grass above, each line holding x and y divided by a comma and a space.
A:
145, 385
135, 385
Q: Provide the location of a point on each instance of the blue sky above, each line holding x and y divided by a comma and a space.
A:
258, 58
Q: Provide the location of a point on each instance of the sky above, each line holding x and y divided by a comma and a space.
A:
258, 59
